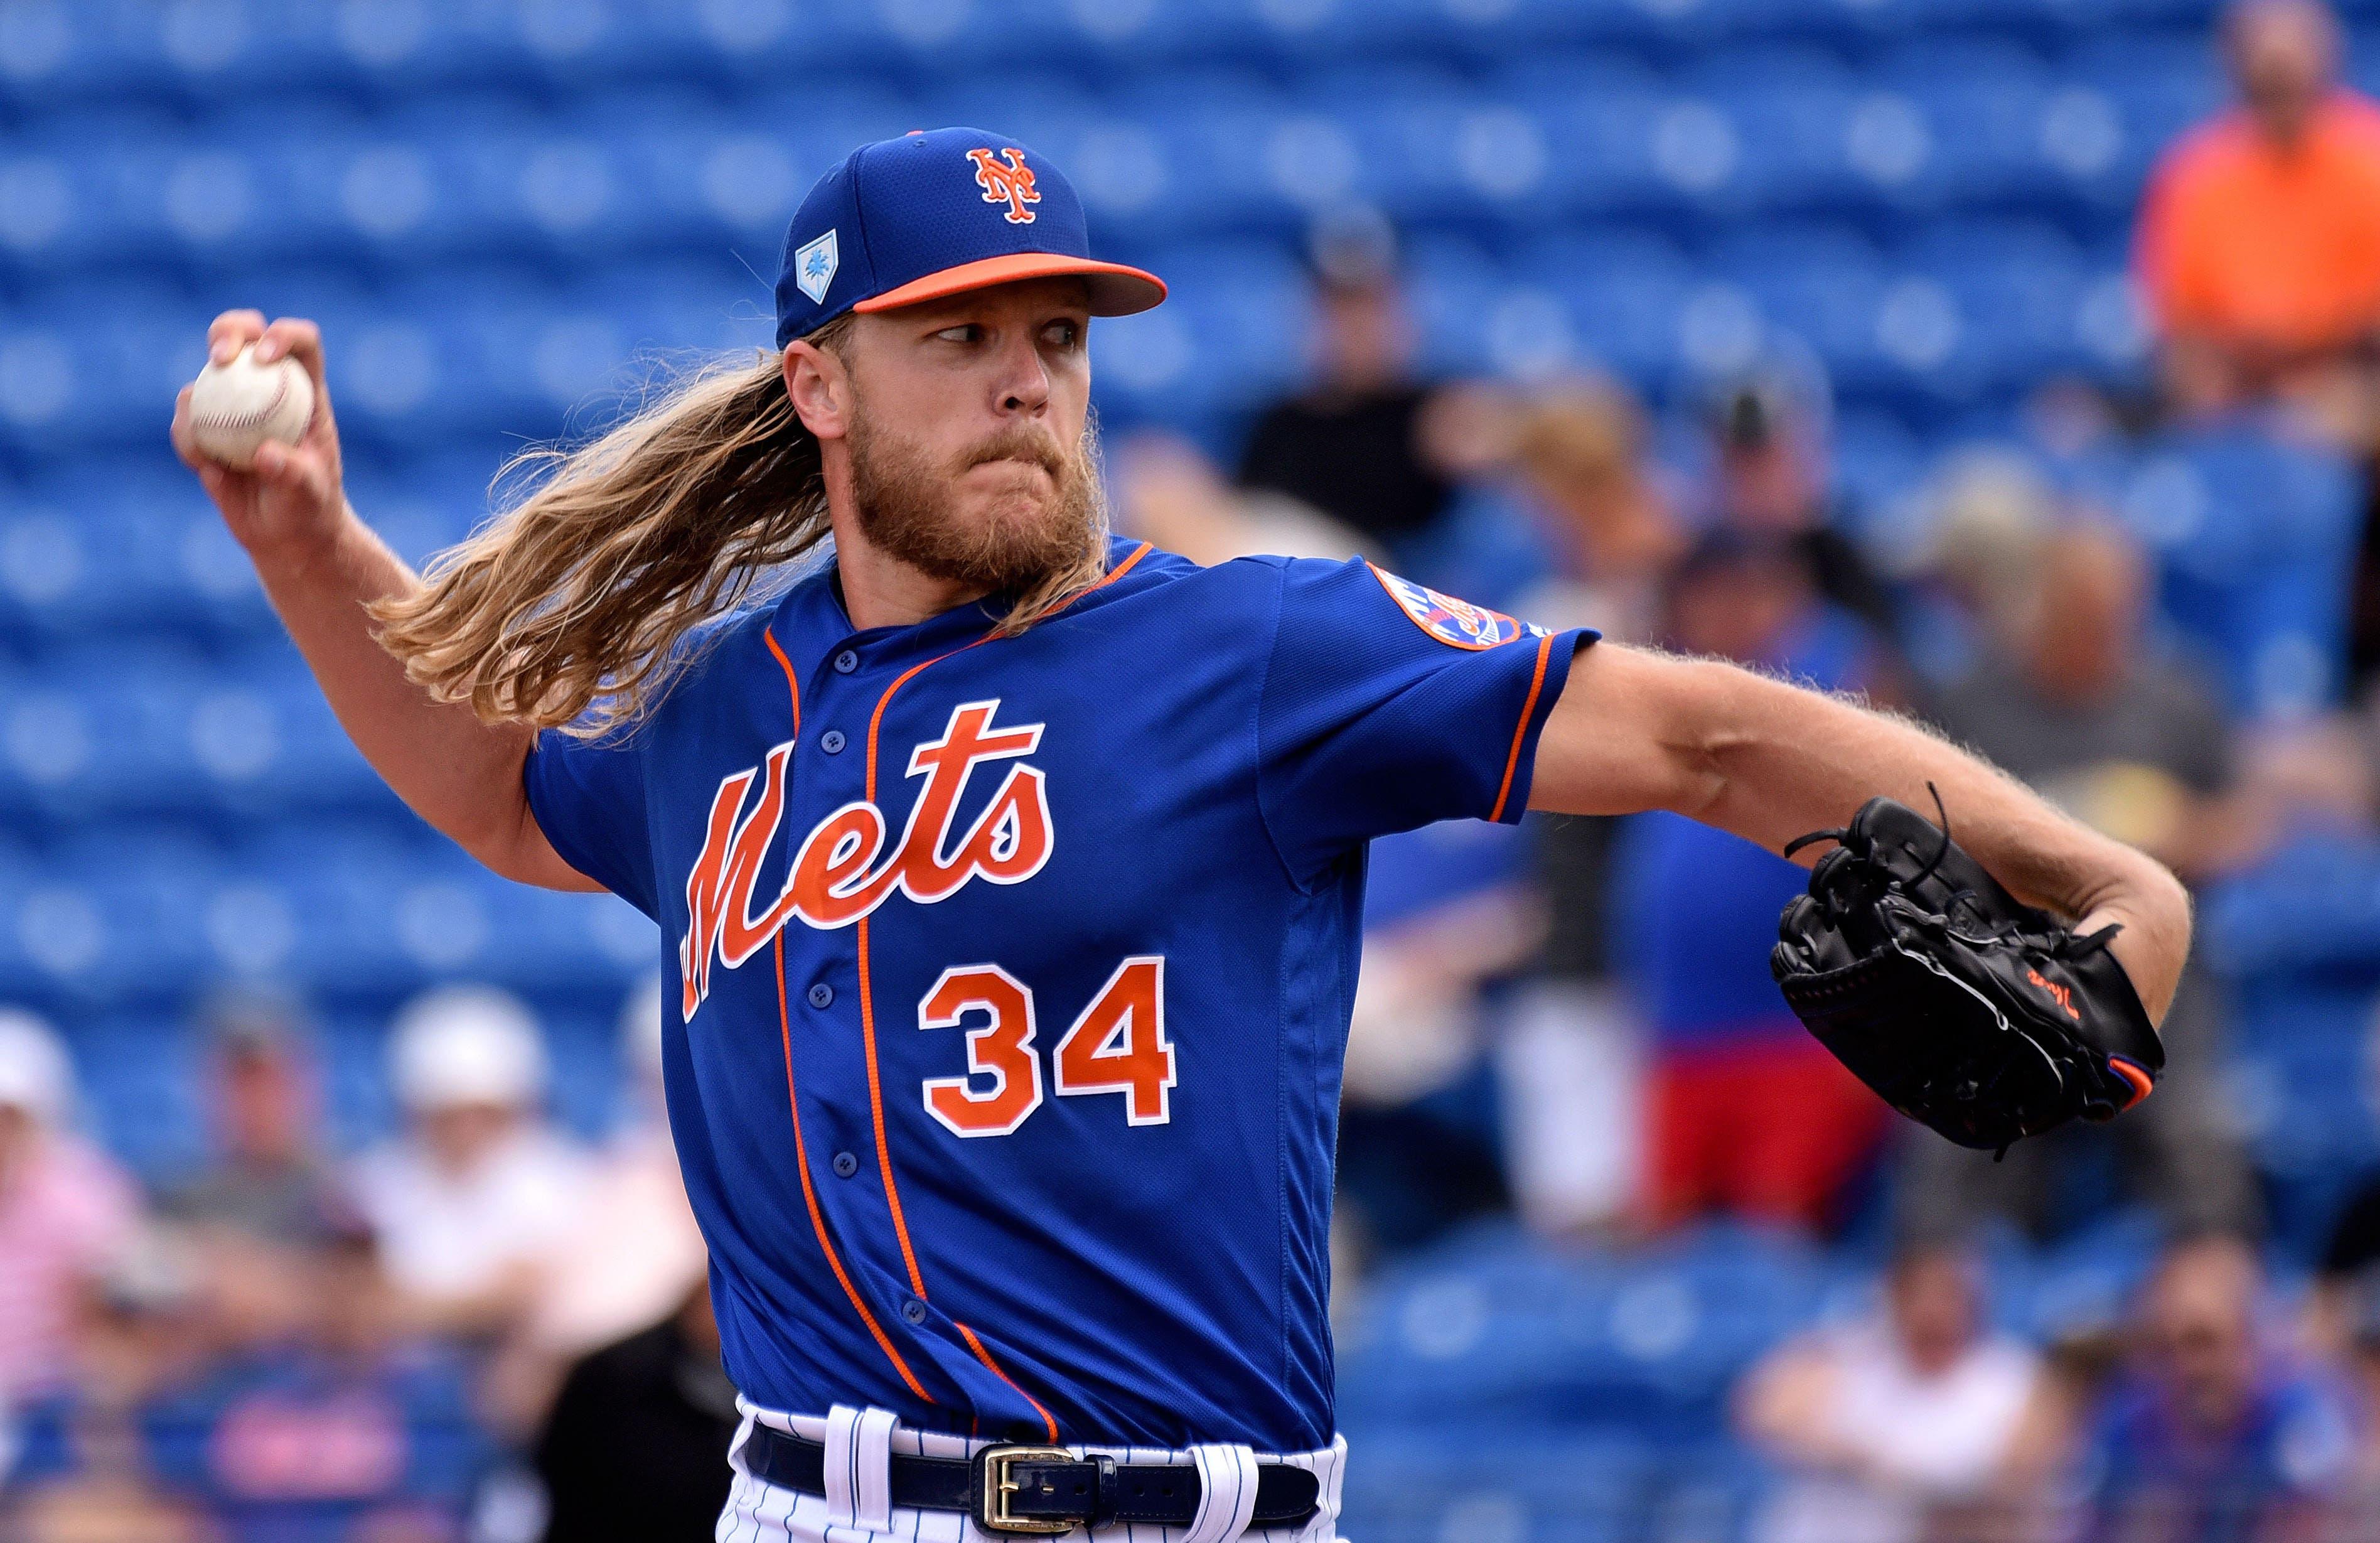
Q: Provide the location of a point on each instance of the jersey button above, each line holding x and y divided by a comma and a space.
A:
845, 662
914, 1310
832, 742
821, 996
846, 1166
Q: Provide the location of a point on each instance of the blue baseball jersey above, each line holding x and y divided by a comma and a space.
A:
1012, 974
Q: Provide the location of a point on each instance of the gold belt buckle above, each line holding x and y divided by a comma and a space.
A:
992, 1504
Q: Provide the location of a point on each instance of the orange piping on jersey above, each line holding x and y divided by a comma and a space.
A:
867, 988
985, 1357
1520, 731
793, 685
810, 1196
793, 1100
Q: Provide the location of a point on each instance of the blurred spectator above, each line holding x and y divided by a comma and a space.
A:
2348, 1270
1359, 446
1747, 1111
637, 1445
269, 1181
2213, 1435
635, 1252
351, 1429
2067, 698
479, 1187
1769, 480
1989, 511
65, 1211
1446, 913
84, 1471
1580, 451
2259, 242
1168, 492
1913, 1427
1570, 1061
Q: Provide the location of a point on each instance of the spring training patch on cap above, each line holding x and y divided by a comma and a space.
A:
814, 267
1456, 623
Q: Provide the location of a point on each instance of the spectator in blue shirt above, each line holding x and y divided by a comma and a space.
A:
350, 1432
1745, 1112
2214, 1436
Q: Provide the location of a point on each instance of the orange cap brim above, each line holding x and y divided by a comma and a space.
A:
1116, 290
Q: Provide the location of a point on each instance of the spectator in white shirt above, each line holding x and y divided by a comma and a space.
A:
637, 1255
1892, 1426
480, 1186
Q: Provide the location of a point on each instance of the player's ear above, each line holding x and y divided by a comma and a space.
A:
819, 388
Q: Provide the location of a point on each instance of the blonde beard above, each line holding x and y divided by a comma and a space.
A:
907, 509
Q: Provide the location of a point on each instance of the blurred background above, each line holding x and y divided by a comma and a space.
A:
2014, 361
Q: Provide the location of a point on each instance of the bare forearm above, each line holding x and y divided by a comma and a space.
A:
1783, 760
461, 775
1770, 761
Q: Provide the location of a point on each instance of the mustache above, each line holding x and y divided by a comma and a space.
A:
1020, 443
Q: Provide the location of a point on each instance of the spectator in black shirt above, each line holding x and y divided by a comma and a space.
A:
1356, 445
637, 1446
1769, 478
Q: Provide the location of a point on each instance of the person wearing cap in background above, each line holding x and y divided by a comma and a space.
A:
1367, 443
65, 1211
479, 1186
1769, 478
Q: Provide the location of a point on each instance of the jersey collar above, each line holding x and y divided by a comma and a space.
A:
811, 622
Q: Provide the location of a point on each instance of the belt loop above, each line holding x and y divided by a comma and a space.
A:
872, 1499
1227, 1493
841, 1477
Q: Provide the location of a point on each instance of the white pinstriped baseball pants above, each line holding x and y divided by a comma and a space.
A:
857, 1508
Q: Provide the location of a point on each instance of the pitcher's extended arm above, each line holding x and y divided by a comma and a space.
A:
321, 566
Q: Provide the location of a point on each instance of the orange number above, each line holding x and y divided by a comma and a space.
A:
1002, 1050
1119, 1044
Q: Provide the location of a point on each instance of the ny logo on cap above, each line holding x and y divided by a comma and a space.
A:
1010, 182
814, 266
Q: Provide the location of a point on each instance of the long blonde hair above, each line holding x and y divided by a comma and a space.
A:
567, 611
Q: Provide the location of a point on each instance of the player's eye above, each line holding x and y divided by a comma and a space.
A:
965, 331
1067, 333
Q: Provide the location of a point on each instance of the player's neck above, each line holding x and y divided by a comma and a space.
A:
882, 590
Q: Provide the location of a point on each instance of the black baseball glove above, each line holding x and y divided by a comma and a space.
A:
1969, 1011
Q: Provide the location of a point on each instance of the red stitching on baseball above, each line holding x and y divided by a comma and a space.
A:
242, 421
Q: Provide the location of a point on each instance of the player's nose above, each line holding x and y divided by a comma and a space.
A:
1021, 380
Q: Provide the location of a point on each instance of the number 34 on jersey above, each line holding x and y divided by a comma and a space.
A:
1117, 1045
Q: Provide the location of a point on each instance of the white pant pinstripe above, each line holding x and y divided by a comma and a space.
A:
860, 1440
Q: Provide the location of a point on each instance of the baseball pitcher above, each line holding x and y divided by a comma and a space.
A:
1009, 874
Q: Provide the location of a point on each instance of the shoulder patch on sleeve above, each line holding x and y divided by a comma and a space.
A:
1456, 623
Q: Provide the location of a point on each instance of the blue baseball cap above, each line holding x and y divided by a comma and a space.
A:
938, 213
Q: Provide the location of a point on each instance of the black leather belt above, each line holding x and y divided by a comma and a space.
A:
1037, 1489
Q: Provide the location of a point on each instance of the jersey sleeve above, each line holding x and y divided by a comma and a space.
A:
589, 797
1387, 706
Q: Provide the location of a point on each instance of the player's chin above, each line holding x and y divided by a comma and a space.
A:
1014, 503
1006, 483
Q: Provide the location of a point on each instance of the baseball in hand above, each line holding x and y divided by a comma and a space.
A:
236, 407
